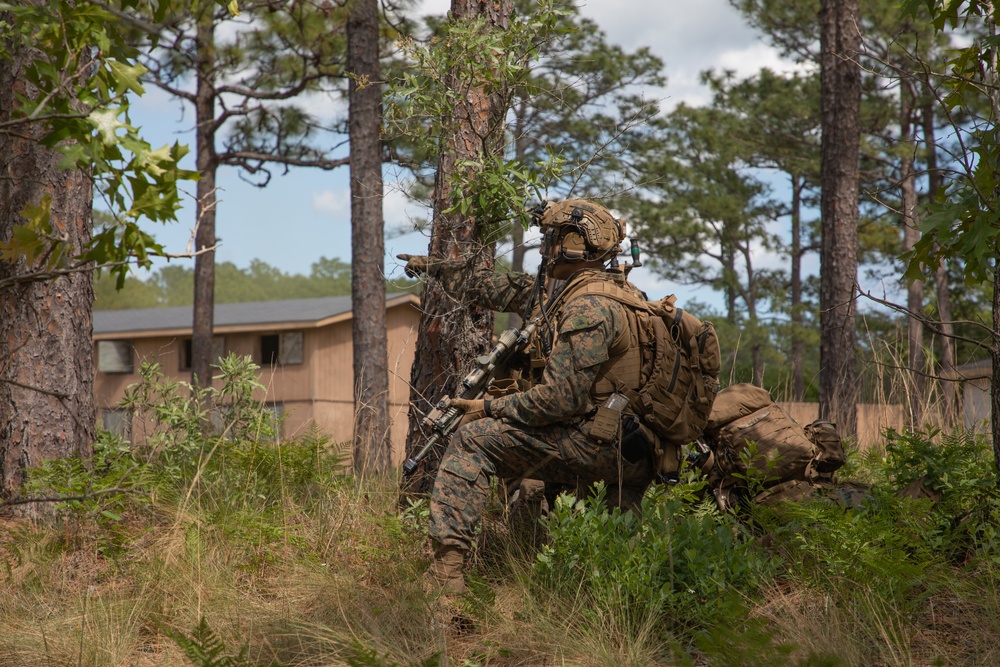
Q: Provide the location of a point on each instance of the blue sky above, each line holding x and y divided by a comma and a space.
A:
304, 215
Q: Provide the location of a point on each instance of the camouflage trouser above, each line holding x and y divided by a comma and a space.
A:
557, 454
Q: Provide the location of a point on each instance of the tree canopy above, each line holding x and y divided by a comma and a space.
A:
258, 281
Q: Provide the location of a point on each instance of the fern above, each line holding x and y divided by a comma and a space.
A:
204, 648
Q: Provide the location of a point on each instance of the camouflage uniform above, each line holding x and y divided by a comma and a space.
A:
537, 433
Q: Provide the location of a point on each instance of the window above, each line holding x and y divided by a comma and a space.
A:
270, 350
281, 349
114, 356
218, 351
291, 347
117, 421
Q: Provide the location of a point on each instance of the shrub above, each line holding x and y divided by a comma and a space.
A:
684, 563
959, 467
242, 474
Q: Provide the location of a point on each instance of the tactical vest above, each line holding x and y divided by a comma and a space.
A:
623, 369
665, 365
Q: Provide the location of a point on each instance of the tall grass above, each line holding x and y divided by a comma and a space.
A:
259, 551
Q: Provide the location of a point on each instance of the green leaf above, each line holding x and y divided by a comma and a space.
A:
106, 122
128, 76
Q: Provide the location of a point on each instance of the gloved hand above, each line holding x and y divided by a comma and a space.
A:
474, 408
416, 265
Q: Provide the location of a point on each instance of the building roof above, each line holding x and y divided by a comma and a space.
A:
977, 370
234, 317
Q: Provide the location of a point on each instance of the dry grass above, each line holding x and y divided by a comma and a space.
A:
333, 576
348, 582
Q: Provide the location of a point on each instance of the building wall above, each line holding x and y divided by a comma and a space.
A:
319, 390
976, 409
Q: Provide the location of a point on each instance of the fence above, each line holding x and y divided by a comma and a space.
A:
873, 419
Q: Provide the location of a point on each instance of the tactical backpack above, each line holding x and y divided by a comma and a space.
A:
745, 419
679, 378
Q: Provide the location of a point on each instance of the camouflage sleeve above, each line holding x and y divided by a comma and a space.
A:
505, 292
586, 329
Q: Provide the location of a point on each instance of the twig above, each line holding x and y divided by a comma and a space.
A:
62, 499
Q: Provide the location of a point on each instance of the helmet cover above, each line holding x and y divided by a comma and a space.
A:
583, 226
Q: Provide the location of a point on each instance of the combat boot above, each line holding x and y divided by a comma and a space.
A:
446, 570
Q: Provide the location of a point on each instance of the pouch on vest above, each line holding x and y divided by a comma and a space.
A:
604, 426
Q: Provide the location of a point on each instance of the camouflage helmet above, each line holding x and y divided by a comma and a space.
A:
587, 230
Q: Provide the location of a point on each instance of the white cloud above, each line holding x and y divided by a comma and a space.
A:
398, 210
335, 202
690, 37
751, 59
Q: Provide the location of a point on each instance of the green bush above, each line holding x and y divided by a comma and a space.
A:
684, 563
960, 467
240, 476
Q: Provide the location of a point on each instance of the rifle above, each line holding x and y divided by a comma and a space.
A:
443, 420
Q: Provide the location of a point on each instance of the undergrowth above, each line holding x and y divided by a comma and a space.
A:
210, 541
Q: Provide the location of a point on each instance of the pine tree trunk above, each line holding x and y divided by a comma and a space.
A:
840, 102
46, 351
995, 374
453, 332
207, 164
911, 234
372, 446
750, 298
798, 346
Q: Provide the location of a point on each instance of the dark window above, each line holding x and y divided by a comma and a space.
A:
270, 349
218, 351
281, 349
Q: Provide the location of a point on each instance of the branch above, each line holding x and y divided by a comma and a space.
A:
136, 22
927, 322
83, 496
34, 388
40, 276
285, 94
41, 119
240, 158
176, 92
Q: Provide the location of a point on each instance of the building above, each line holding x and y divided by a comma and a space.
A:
303, 346
975, 379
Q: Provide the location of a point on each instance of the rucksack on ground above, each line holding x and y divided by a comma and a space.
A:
744, 422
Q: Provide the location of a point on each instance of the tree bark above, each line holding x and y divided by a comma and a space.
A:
207, 165
453, 331
995, 374
46, 351
798, 346
840, 115
372, 446
911, 234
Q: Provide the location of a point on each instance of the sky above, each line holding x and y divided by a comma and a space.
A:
305, 214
